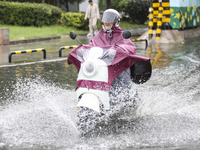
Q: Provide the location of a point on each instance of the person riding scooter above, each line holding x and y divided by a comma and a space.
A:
106, 69
110, 32
109, 35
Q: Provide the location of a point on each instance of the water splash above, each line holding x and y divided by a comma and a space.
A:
168, 114
38, 113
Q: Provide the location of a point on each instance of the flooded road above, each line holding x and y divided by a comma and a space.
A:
38, 102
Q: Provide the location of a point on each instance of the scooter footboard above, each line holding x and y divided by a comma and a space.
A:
92, 98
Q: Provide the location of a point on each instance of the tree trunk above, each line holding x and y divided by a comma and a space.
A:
108, 3
43, 1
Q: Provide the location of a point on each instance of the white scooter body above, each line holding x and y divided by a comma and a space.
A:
93, 69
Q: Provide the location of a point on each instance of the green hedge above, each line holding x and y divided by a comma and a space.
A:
74, 20
28, 14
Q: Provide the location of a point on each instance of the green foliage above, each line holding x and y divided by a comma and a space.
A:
28, 14
120, 5
138, 10
102, 6
74, 20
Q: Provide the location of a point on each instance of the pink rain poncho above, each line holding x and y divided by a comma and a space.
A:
119, 57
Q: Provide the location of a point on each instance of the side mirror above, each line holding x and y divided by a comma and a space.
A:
126, 34
72, 35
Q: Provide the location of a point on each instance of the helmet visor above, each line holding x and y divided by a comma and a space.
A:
109, 17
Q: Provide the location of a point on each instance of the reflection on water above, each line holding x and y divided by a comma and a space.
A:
4, 52
158, 58
38, 101
52, 48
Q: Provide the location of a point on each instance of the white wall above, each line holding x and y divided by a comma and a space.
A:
83, 6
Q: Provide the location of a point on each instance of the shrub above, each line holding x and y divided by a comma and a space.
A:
28, 14
74, 20
138, 10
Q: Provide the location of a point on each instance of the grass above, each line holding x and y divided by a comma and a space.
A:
20, 32
126, 25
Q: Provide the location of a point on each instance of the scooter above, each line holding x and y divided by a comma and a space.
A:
98, 67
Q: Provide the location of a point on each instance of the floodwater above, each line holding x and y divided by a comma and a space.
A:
38, 104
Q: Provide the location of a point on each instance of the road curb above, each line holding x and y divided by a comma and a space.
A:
22, 41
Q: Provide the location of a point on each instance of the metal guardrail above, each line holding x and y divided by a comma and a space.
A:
27, 51
66, 47
60, 50
139, 40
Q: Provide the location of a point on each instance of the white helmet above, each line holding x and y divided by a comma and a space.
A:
110, 16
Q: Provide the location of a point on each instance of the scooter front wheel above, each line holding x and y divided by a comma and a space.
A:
87, 120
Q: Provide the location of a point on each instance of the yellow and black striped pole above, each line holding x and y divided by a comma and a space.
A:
151, 19
159, 23
66, 47
27, 51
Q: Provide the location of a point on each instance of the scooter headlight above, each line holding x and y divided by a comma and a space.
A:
89, 68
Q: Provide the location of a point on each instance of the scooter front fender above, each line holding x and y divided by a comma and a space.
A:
91, 98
